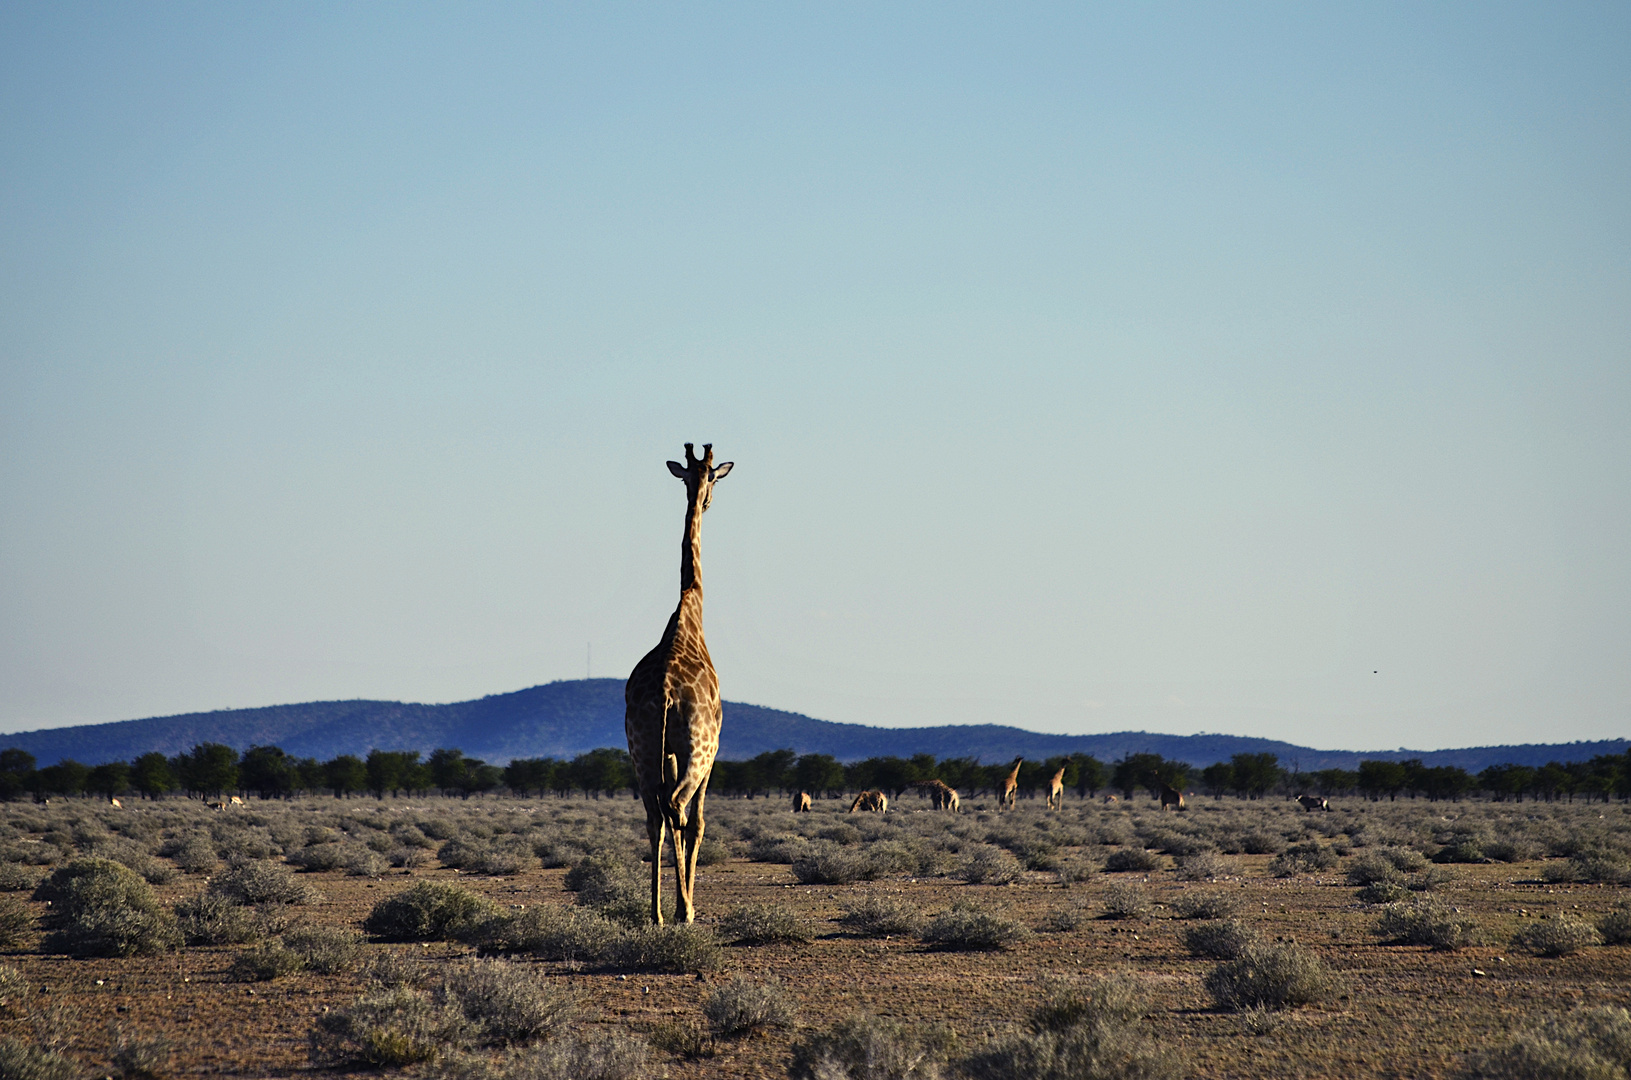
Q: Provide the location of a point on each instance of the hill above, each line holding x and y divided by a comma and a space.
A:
563, 719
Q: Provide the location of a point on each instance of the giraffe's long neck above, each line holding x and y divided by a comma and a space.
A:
691, 551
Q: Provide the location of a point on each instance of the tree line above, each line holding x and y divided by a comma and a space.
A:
213, 770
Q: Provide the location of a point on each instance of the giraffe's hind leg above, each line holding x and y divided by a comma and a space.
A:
655, 827
685, 865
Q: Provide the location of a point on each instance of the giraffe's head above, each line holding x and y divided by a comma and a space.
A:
700, 473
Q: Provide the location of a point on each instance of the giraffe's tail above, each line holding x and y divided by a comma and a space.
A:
671, 783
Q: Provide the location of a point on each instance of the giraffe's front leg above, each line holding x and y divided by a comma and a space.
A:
686, 869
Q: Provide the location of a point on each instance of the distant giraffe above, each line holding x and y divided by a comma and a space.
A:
1171, 796
1010, 786
801, 803
672, 709
870, 800
944, 798
1056, 790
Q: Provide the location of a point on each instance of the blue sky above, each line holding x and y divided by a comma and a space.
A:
1257, 368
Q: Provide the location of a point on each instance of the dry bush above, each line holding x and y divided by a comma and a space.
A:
1424, 921
1382, 892
1205, 904
778, 848
673, 948
327, 950
988, 865
866, 1047
551, 933
194, 854
389, 1028
1592, 866
318, 858
1126, 901
743, 1006
877, 915
1305, 858
1087, 1033
617, 889
1615, 927
18, 878
1592, 1044
20, 1061
1269, 976
15, 921
763, 924
257, 882
208, 919
100, 908
135, 1057
1201, 866
712, 852
366, 862
1557, 936
1225, 939
969, 925
429, 911
1132, 860
594, 1056
506, 1004
1373, 868
265, 962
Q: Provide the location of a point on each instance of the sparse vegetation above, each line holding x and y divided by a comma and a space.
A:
743, 1005
1557, 936
1267, 975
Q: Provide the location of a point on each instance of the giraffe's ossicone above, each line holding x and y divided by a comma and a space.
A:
672, 710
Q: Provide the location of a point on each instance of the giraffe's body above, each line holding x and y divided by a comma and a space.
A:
944, 797
672, 710
870, 800
1056, 790
1010, 786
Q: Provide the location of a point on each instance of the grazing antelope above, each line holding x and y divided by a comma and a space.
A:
1010, 786
1056, 790
235, 801
801, 803
1172, 797
116, 804
870, 800
1110, 800
1310, 802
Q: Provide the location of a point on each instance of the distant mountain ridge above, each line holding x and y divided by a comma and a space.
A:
567, 718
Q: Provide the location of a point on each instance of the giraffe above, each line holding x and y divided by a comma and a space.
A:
1010, 785
671, 707
944, 797
870, 800
1056, 790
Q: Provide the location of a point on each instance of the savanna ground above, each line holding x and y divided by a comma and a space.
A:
1042, 901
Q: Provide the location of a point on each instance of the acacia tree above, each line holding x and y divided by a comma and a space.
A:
108, 779
152, 776
268, 771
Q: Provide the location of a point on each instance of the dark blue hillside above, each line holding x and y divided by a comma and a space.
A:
563, 719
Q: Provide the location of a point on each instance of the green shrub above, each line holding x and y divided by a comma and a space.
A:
619, 890
210, 919
265, 962
506, 1004
365, 862
1382, 892
1132, 860
866, 1047
1303, 859
19, 1061
674, 948
988, 865
1225, 939
778, 848
877, 915
743, 1006
429, 911
712, 852
763, 924
1426, 922
257, 882
324, 949
100, 908
1592, 1044
1205, 904
388, 1028
1591, 866
1557, 936
1463, 849
195, 854
1269, 976
1373, 868
17, 878
968, 925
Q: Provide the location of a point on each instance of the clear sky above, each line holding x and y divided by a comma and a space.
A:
1262, 369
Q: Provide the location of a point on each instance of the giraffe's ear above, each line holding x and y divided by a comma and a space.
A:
720, 471
677, 469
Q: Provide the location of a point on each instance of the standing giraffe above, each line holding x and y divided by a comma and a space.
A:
1056, 790
1010, 785
672, 708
